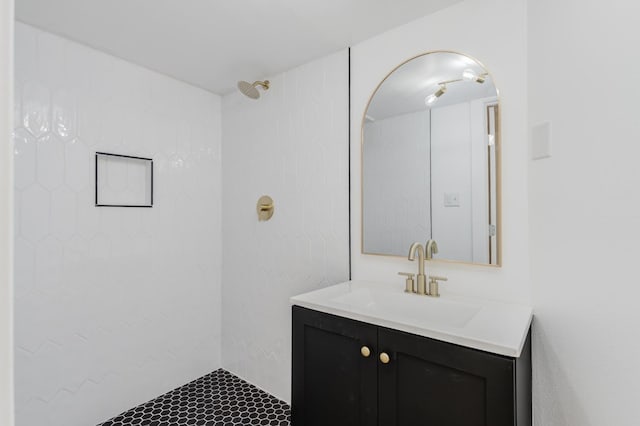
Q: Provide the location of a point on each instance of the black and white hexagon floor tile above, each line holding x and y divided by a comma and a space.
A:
217, 399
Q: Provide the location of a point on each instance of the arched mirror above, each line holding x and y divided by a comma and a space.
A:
431, 160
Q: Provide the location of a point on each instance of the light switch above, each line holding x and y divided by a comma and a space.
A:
541, 141
452, 199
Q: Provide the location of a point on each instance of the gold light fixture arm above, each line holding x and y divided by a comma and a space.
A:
479, 79
450, 81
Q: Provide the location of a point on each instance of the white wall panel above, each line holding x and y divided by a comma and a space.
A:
585, 212
291, 144
6, 214
451, 174
114, 306
397, 155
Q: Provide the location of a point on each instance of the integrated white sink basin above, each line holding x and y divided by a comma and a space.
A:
490, 326
422, 311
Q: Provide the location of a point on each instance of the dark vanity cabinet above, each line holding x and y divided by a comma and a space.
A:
333, 383
406, 380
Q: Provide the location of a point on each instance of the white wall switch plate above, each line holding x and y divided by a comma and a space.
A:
541, 141
452, 199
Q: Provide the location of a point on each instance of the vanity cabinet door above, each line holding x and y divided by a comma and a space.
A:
428, 382
333, 383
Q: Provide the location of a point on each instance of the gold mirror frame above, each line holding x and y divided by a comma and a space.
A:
498, 153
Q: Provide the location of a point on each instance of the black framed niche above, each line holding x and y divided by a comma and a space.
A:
123, 180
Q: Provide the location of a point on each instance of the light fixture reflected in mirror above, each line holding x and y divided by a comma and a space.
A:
432, 98
468, 75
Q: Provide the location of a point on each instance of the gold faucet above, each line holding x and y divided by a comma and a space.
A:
431, 249
423, 254
421, 279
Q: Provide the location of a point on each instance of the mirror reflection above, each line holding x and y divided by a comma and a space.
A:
430, 160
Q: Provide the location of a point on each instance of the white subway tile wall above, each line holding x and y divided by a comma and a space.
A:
291, 144
114, 306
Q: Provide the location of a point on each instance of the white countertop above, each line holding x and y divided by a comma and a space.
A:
500, 328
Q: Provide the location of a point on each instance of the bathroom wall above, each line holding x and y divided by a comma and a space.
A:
585, 212
113, 306
451, 174
460, 167
397, 155
6, 213
291, 144
494, 32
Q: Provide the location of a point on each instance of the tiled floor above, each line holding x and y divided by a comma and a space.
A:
217, 399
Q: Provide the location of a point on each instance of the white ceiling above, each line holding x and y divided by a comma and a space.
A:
405, 90
214, 43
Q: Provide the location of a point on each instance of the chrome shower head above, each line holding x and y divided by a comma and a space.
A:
251, 90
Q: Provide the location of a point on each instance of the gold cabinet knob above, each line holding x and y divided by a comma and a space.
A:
365, 351
384, 358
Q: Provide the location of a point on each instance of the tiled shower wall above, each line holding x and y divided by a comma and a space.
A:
291, 144
114, 306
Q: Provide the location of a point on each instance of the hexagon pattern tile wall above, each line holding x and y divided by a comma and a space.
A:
113, 306
219, 398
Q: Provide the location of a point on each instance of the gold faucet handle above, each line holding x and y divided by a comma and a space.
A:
434, 290
430, 248
409, 283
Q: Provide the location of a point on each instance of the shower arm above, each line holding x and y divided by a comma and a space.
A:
263, 84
